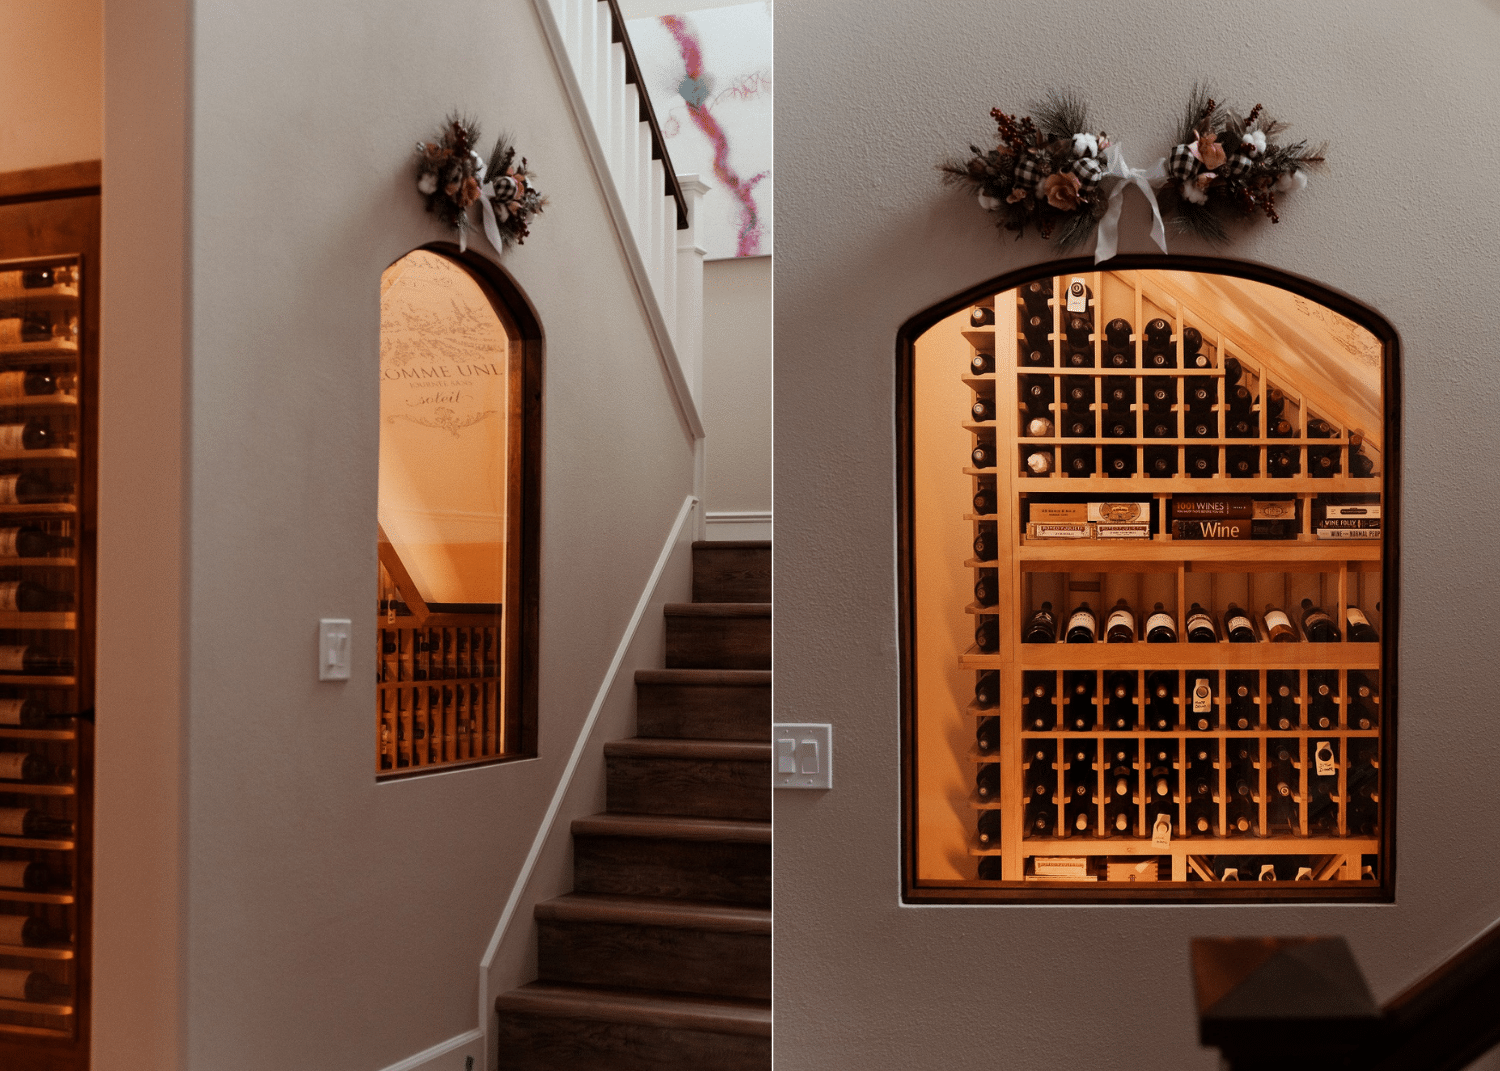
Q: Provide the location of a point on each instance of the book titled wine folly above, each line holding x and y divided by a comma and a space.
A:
1346, 517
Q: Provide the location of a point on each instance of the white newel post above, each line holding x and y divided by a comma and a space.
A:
690, 254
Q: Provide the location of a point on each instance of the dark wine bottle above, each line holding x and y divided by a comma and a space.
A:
1161, 461
982, 363
1161, 426
1160, 393
1234, 371
1119, 393
1119, 426
28, 383
33, 769
987, 634
19, 713
1080, 713
987, 689
981, 316
1201, 425
1359, 628
987, 589
986, 545
1161, 696
1077, 329
31, 659
1078, 393
28, 487
1282, 462
1283, 713
988, 832
1160, 628
1238, 626
1037, 330
1361, 465
1120, 711
1119, 461
1201, 700
1119, 627
1323, 711
28, 822
28, 931
1242, 707
1202, 461
1040, 714
1158, 332
987, 781
1036, 394
1242, 462
1238, 399
983, 409
31, 875
1036, 295
984, 499
1078, 461
1318, 428
1323, 462
1083, 625
1041, 627
28, 597
983, 456
1037, 356
987, 735
32, 986
1117, 333
1200, 626
1242, 426
1200, 393
34, 434
1317, 624
991, 868
1362, 714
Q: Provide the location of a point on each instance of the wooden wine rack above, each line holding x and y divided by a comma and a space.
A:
61, 632
1333, 573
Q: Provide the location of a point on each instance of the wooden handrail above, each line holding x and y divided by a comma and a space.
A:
1290, 1002
647, 112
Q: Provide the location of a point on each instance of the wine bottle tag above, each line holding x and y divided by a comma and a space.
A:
10, 765
12, 659
11, 436
1267, 872
1231, 873
1323, 756
1356, 616
12, 822
1304, 873
1161, 831
13, 929
13, 983
1078, 296
1277, 619
13, 873
1203, 697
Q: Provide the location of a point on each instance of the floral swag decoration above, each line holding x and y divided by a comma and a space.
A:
453, 177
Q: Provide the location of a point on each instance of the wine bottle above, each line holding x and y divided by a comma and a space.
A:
1161, 693
984, 499
1362, 710
1242, 462
1202, 461
987, 735
1200, 393
32, 986
31, 875
1201, 696
26, 822
1119, 394
30, 383
1039, 428
1079, 359
986, 545
1234, 371
1242, 426
25, 488
1119, 426
1282, 462
988, 832
1323, 462
1317, 624
982, 364
34, 660
1120, 712
31, 327
1159, 358
1201, 425
1041, 818
1078, 425
1161, 461
983, 456
1040, 779
1161, 426
1160, 628
987, 589
1040, 714
1238, 626
1242, 688
1238, 399
33, 769
1077, 329
1318, 428
1119, 461
1041, 627
1161, 786
1119, 627
1080, 708
991, 868
987, 782
1037, 356
1323, 711
1078, 392
981, 316
21, 713
1359, 628
28, 931
1200, 626
983, 409
987, 635
34, 434
1037, 329
1117, 333
1278, 626
1039, 463
1083, 625
28, 597
1275, 404
1160, 393
1361, 465
1078, 461
1283, 712
987, 689
1036, 296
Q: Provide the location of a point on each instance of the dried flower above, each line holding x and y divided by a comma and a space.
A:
469, 192
1203, 178
1062, 190
1016, 194
1208, 151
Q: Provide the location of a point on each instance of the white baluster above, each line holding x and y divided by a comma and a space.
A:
657, 253
628, 176
617, 89
599, 104
668, 292
688, 337
642, 215
583, 59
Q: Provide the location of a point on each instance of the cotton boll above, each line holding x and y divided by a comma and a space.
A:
1192, 194
988, 203
1085, 145
1292, 180
427, 184
1255, 141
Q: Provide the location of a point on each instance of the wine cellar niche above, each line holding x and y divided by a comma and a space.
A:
1148, 554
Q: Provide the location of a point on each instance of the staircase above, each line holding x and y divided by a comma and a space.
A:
660, 959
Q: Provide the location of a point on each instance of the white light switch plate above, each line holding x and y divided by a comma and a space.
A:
802, 756
333, 649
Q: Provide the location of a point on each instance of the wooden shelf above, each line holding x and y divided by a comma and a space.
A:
37, 843
1240, 553
38, 563
35, 952
35, 1009
66, 402
37, 734
37, 509
38, 351
38, 682
14, 302
1181, 656
25, 788
20, 896
58, 621
1241, 845
60, 454
1141, 486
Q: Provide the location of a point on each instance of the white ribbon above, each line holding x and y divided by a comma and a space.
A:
1108, 240
486, 212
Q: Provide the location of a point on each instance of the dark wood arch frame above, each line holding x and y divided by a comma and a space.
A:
973, 892
524, 493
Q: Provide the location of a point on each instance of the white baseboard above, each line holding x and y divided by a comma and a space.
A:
420, 1061
737, 525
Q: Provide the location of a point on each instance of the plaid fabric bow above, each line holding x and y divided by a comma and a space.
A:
1182, 164
1237, 165
1088, 171
1028, 172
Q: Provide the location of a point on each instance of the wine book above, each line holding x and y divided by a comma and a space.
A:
1122, 531
1036, 530
1074, 512
1232, 507
1347, 522
1237, 528
1348, 533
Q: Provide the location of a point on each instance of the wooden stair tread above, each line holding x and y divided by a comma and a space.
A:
732, 544
699, 750
673, 828
754, 678
717, 609
717, 1016
653, 911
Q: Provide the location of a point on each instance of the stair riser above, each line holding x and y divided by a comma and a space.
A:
689, 788
731, 574
724, 872
705, 642
540, 1043
668, 958
703, 712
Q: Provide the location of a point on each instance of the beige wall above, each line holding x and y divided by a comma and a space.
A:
870, 96
324, 920
51, 80
737, 322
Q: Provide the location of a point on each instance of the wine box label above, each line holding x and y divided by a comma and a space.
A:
1120, 512
12, 822
1078, 295
13, 873
1145, 870
1349, 522
10, 765
1212, 507
13, 983
1225, 529
11, 436
1161, 831
1123, 531
10, 711
1057, 531
1348, 533
1203, 697
1323, 755
1273, 509
1066, 512
1365, 510
13, 929
12, 659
